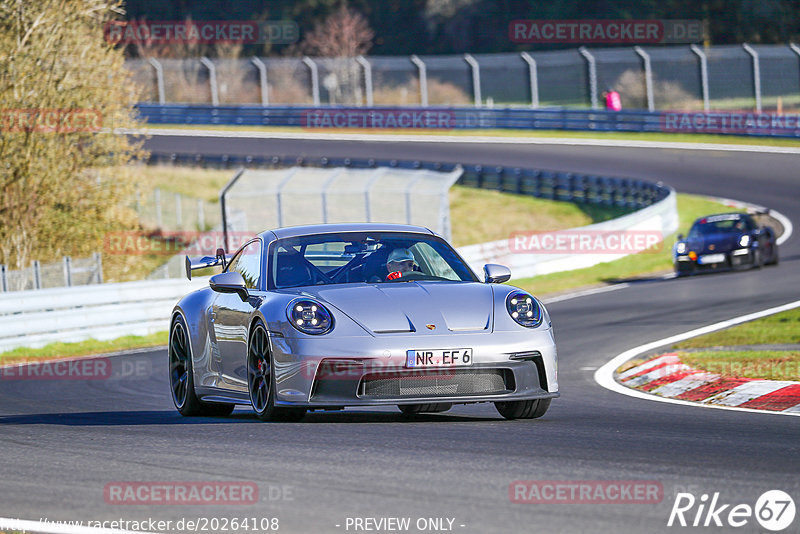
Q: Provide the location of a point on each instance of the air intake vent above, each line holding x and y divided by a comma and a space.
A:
437, 383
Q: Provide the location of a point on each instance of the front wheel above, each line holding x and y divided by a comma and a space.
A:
527, 409
181, 376
261, 380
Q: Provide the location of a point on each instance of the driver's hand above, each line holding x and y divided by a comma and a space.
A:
394, 275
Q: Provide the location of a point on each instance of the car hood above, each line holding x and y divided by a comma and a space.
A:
413, 306
720, 242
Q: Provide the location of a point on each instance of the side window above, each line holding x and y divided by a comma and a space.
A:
248, 264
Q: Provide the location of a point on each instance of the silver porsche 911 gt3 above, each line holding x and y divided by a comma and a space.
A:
328, 316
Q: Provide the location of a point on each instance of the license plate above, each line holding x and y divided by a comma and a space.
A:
438, 358
711, 258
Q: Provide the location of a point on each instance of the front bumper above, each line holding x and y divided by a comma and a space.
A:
732, 259
327, 372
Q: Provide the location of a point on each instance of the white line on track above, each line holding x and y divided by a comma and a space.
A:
605, 374
48, 527
585, 293
481, 139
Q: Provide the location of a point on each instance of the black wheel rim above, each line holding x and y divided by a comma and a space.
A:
179, 364
258, 369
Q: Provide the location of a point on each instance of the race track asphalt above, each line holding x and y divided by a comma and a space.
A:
62, 441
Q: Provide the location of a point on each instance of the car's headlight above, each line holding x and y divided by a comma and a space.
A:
744, 240
524, 309
681, 247
310, 317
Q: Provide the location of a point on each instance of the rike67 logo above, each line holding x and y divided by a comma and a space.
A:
774, 510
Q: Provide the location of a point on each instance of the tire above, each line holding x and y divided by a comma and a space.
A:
261, 380
527, 409
775, 259
411, 409
181, 376
758, 259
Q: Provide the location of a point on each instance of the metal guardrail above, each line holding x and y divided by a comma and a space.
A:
104, 311
322, 119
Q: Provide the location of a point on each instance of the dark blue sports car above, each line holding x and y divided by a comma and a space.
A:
725, 241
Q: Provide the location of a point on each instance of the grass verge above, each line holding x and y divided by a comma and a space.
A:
781, 328
83, 348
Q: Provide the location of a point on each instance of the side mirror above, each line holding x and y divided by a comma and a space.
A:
680, 237
231, 282
496, 274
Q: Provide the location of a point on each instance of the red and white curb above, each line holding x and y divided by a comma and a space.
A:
667, 376
686, 384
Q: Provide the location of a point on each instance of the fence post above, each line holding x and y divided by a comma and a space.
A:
67, 271
592, 66
756, 74
376, 174
278, 199
138, 204
703, 74
178, 211
159, 80
37, 275
476, 79
533, 76
795, 49
423, 79
222, 209
314, 79
212, 79
3, 278
262, 77
409, 186
159, 220
98, 261
648, 76
328, 182
201, 216
361, 60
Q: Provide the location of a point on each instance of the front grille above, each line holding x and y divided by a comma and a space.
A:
437, 383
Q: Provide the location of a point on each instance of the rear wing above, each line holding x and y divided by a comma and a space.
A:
202, 262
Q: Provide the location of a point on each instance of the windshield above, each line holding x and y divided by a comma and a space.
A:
719, 225
371, 257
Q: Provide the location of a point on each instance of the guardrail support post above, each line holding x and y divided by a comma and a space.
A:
592, 66
423, 79
159, 80
67, 271
314, 79
756, 74
533, 76
98, 261
262, 77
703, 74
361, 60
212, 79
648, 76
3, 278
37, 275
476, 79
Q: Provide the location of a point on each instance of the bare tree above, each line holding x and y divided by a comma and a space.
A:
342, 36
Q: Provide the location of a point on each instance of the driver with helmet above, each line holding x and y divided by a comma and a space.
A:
399, 263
